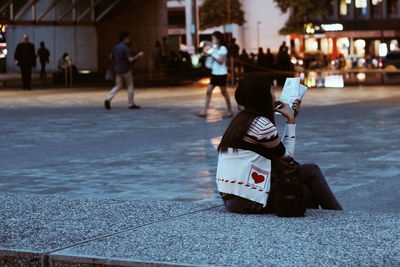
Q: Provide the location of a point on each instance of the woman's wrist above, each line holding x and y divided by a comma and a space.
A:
291, 120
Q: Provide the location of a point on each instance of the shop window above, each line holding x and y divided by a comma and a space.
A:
327, 46
359, 46
344, 7
311, 45
3, 28
392, 7
361, 8
383, 49
375, 45
176, 18
3, 44
297, 45
343, 45
376, 8
394, 45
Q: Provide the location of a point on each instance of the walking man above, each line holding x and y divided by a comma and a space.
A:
43, 54
122, 56
25, 58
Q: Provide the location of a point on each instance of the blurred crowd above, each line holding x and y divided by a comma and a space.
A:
166, 61
169, 62
280, 64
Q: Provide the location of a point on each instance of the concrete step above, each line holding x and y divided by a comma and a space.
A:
13, 80
61, 231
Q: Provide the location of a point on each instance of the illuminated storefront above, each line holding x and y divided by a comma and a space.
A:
356, 28
3, 48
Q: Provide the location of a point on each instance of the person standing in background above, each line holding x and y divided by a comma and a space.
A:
283, 64
269, 59
233, 55
157, 59
243, 61
283, 47
122, 55
252, 62
64, 62
25, 58
261, 59
165, 48
233, 49
165, 53
218, 54
269, 63
44, 55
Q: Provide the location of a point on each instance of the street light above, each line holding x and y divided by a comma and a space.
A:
258, 33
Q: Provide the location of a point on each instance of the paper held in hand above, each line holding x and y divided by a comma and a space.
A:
292, 90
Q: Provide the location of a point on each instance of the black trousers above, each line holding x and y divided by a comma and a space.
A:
43, 72
26, 75
318, 190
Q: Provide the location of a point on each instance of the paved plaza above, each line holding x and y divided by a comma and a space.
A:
62, 141
83, 186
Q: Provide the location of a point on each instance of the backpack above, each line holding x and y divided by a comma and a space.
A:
287, 192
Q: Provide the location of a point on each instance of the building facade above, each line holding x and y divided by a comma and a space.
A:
87, 30
360, 28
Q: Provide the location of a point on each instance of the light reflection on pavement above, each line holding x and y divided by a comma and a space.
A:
64, 142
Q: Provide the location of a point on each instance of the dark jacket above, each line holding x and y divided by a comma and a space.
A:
25, 54
43, 54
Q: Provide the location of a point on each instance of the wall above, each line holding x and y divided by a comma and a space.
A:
147, 22
89, 46
80, 42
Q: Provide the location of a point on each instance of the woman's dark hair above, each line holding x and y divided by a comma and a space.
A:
220, 37
123, 35
254, 94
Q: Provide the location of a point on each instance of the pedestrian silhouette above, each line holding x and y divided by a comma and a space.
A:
44, 55
25, 58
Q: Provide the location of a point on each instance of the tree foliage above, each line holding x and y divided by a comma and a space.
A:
214, 13
302, 12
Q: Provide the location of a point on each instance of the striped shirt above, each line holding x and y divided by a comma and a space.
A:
263, 132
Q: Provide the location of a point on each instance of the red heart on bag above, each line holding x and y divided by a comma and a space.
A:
258, 178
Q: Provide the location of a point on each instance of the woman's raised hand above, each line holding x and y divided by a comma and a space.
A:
286, 111
296, 107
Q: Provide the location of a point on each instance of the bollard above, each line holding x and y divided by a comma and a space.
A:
68, 79
151, 63
232, 63
70, 75
66, 76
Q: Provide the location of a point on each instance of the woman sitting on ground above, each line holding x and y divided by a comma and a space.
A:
250, 141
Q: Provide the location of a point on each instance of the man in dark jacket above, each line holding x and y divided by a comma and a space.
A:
25, 58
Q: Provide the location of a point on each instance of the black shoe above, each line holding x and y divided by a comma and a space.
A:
107, 104
134, 107
226, 116
201, 115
